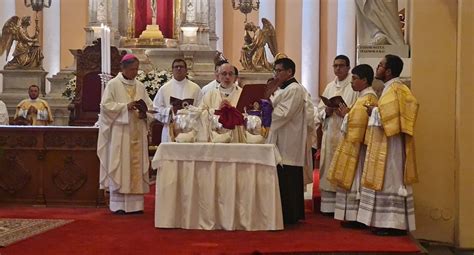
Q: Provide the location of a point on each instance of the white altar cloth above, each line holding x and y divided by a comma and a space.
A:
217, 186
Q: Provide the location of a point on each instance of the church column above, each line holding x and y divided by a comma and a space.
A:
52, 40
267, 10
219, 24
310, 47
100, 12
346, 29
7, 10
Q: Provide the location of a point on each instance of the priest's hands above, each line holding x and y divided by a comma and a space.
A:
32, 110
272, 85
342, 110
369, 109
329, 111
132, 106
224, 103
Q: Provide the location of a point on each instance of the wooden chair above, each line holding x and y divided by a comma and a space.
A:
85, 107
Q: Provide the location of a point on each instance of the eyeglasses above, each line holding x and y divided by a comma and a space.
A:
339, 65
275, 71
226, 73
178, 67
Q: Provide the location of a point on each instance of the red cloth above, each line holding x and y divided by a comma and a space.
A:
230, 117
164, 17
142, 16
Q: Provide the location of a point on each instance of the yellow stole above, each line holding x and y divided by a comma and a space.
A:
398, 111
136, 180
344, 163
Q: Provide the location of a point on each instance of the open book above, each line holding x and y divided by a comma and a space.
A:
181, 103
251, 93
333, 102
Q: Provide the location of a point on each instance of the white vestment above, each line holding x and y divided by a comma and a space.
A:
3, 114
211, 85
213, 98
122, 146
332, 135
183, 89
289, 128
393, 206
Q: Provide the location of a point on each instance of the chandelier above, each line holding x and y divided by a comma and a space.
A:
37, 5
246, 7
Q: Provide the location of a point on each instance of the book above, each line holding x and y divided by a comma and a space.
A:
333, 102
251, 93
179, 104
142, 108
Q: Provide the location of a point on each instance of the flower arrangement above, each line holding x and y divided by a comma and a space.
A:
70, 91
152, 80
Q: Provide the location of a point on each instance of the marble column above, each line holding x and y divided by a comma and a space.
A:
52, 41
219, 24
7, 10
267, 10
346, 29
310, 47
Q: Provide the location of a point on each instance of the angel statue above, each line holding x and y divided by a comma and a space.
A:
27, 54
253, 52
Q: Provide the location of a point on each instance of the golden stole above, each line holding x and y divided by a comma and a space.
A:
398, 111
344, 163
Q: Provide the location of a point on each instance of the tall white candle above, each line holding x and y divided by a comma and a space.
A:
102, 48
108, 51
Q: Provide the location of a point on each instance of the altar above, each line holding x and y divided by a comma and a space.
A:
217, 186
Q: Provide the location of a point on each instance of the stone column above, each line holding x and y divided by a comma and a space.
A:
310, 46
219, 22
346, 29
7, 10
100, 12
52, 41
267, 10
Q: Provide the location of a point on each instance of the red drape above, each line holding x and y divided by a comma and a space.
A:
142, 16
164, 17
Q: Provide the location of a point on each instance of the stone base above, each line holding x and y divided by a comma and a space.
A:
250, 77
58, 103
15, 86
18, 81
379, 51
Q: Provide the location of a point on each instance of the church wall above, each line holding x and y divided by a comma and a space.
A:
73, 21
234, 32
433, 54
465, 126
328, 45
288, 28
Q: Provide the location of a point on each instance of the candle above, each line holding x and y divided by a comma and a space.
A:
102, 48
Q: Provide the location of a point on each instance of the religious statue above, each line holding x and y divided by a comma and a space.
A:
253, 55
27, 54
378, 22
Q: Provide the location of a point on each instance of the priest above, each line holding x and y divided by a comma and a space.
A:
227, 93
179, 87
34, 110
346, 166
122, 145
3, 113
288, 130
331, 120
386, 202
